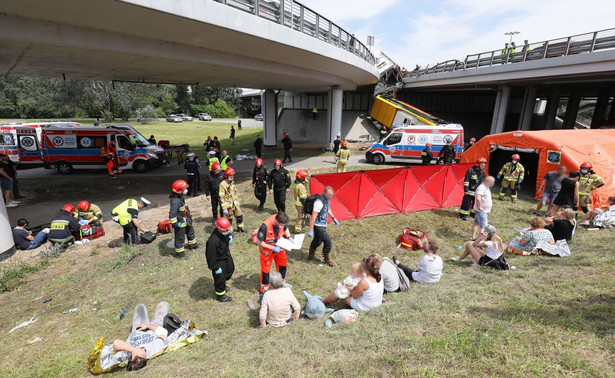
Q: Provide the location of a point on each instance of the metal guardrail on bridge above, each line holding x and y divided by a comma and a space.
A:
294, 15
576, 44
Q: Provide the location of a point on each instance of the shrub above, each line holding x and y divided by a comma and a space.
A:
146, 114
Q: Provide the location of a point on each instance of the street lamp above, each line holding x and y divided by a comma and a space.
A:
511, 33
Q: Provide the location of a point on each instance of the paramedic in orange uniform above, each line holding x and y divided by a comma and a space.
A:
273, 228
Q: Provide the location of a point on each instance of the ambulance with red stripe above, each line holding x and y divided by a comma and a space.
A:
68, 148
407, 130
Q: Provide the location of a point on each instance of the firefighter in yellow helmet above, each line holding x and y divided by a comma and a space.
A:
512, 175
300, 193
342, 157
588, 182
229, 199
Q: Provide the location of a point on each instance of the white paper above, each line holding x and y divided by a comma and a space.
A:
288, 245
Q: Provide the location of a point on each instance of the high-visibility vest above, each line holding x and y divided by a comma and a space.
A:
224, 162
299, 193
121, 210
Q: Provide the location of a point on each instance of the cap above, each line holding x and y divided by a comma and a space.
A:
145, 201
212, 152
190, 154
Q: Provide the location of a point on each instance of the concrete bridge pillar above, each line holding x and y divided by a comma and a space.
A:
552, 105
289, 100
601, 105
269, 107
611, 116
527, 108
7, 246
501, 108
334, 120
572, 109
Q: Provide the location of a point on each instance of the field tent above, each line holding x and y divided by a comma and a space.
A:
554, 148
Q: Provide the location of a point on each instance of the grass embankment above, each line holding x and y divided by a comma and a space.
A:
549, 317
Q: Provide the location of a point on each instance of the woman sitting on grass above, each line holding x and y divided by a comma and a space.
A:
367, 294
429, 267
599, 218
279, 305
562, 224
489, 241
524, 244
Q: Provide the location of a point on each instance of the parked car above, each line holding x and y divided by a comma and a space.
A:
204, 117
185, 117
258, 117
174, 118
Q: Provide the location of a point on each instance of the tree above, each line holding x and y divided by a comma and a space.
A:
182, 98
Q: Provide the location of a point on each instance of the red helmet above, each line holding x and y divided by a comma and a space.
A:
215, 166
587, 165
229, 172
259, 160
302, 174
224, 226
277, 161
83, 206
69, 208
481, 160
472, 139
111, 144
516, 157
344, 143
179, 186
286, 134
427, 144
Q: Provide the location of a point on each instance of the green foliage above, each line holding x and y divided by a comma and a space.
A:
145, 114
220, 109
14, 275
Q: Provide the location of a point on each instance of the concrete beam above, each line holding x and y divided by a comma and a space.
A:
527, 108
500, 110
269, 107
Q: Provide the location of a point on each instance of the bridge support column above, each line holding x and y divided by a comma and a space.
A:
289, 100
7, 246
552, 105
334, 121
572, 109
500, 110
600, 110
269, 107
611, 116
527, 108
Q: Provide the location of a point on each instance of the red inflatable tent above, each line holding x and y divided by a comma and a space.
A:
557, 147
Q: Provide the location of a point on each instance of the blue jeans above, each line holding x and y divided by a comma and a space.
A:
481, 219
39, 239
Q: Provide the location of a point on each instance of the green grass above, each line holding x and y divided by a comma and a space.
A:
13, 275
549, 317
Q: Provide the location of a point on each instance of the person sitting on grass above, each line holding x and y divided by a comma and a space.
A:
367, 294
524, 244
23, 238
146, 339
279, 305
349, 283
599, 218
429, 267
489, 241
562, 225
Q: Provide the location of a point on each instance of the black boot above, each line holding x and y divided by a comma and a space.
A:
182, 256
223, 298
193, 246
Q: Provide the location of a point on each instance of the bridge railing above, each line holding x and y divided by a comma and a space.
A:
572, 45
302, 19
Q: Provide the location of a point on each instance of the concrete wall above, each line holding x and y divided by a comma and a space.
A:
302, 127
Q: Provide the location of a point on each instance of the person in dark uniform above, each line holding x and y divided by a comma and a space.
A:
63, 227
336, 143
212, 190
219, 258
238, 124
258, 146
426, 155
474, 177
288, 146
259, 182
447, 153
215, 146
181, 219
232, 135
127, 215
279, 184
192, 170
208, 143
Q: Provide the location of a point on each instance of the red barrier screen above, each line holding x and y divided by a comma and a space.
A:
363, 194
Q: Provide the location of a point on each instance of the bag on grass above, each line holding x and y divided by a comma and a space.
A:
148, 237
308, 204
413, 238
498, 264
90, 232
164, 227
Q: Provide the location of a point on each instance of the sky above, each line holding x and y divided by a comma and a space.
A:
426, 32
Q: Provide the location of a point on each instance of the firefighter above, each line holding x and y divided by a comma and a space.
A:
229, 199
63, 227
219, 258
512, 174
318, 226
212, 190
279, 184
288, 146
474, 177
342, 157
116, 164
107, 154
273, 228
447, 153
588, 182
426, 155
300, 193
212, 159
127, 215
259, 182
181, 219
89, 213
469, 144
192, 171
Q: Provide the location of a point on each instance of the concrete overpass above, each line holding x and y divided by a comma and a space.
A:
527, 88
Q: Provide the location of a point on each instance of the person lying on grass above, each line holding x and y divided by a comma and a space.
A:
599, 218
279, 305
486, 248
531, 237
429, 267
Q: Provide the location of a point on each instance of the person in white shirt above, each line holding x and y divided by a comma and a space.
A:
488, 247
482, 205
368, 292
429, 267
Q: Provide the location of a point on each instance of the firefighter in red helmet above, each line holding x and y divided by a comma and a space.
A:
230, 200
512, 174
181, 219
300, 193
588, 182
63, 227
89, 213
259, 182
474, 177
219, 258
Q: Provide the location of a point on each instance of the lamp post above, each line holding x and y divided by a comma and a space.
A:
511, 33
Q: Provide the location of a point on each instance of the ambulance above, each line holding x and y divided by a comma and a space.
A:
69, 148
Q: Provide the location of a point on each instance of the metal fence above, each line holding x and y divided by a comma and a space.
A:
294, 15
573, 45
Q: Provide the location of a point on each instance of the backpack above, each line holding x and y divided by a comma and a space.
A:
164, 227
254, 237
413, 238
91, 232
148, 237
498, 264
171, 323
308, 204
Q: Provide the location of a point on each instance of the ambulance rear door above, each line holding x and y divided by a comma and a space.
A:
124, 148
8, 145
28, 140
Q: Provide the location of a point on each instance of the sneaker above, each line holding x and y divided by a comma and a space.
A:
223, 298
457, 259
476, 265
11, 205
395, 260
534, 212
287, 285
512, 267
16, 202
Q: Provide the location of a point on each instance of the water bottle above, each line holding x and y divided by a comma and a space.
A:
461, 248
329, 323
